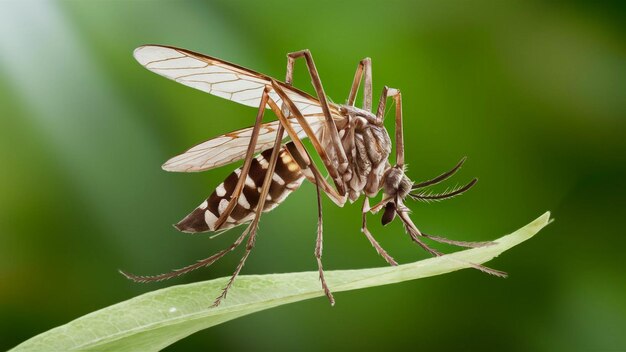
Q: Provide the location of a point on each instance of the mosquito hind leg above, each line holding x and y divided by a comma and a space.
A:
225, 214
178, 272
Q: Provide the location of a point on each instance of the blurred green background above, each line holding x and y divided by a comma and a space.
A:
533, 92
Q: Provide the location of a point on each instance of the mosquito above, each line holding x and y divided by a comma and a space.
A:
351, 142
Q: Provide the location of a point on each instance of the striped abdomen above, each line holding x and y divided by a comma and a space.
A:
286, 179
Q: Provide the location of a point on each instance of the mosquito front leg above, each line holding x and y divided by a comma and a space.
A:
380, 115
365, 66
197, 265
414, 232
375, 244
254, 225
321, 95
415, 235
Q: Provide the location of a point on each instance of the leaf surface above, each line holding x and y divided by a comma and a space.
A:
157, 319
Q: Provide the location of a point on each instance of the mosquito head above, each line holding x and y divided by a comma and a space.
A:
396, 186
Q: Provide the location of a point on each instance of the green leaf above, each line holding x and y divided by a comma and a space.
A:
157, 319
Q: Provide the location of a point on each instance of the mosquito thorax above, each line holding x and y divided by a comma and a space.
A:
353, 112
367, 146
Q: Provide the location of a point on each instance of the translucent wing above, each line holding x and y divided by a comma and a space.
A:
232, 82
219, 77
232, 146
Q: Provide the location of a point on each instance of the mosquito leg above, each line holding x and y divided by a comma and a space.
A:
395, 93
365, 66
197, 265
376, 208
416, 234
319, 246
245, 169
231, 205
458, 243
304, 161
290, 109
380, 115
338, 196
310, 171
321, 95
254, 225
375, 244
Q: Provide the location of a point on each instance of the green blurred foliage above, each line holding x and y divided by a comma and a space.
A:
534, 92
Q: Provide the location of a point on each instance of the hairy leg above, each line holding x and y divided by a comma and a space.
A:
371, 238
231, 205
416, 234
254, 225
245, 169
319, 245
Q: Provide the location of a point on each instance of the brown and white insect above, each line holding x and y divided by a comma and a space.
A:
351, 142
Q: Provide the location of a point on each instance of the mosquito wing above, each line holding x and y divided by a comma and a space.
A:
219, 77
232, 82
232, 146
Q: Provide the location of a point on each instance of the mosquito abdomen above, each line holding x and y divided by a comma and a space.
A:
287, 178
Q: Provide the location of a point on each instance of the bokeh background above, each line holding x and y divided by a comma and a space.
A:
533, 92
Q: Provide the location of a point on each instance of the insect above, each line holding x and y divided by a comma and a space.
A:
352, 143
